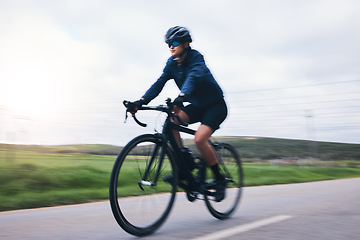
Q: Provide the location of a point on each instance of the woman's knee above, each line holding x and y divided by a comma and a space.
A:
200, 141
202, 135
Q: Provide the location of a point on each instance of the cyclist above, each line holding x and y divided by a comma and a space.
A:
198, 87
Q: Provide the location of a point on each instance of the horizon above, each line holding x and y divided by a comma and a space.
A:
242, 137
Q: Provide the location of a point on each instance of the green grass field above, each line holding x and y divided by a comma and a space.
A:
31, 179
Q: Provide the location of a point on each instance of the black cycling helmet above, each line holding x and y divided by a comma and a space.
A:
179, 34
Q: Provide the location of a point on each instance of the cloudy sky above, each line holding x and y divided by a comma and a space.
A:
289, 69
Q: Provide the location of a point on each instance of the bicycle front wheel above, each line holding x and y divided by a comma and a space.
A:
231, 168
139, 171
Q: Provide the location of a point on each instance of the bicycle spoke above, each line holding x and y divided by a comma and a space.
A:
145, 213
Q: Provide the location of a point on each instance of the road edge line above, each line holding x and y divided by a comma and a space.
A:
243, 228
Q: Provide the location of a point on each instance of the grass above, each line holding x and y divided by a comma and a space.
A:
262, 174
31, 179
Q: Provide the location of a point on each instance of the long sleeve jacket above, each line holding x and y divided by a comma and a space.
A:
192, 77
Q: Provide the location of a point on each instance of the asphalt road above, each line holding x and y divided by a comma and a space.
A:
320, 210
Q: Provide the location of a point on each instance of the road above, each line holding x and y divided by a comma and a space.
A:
320, 210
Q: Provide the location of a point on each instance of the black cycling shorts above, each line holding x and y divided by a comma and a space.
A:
211, 116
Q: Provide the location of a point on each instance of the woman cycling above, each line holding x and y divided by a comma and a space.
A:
198, 87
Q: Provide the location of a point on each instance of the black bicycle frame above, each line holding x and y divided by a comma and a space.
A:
166, 137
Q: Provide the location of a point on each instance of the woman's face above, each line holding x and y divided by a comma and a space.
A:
176, 51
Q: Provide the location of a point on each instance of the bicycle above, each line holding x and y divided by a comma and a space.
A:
153, 166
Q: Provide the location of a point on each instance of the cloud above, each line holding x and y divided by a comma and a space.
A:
89, 56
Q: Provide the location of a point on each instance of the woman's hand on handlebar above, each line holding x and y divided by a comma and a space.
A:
132, 107
179, 100
176, 110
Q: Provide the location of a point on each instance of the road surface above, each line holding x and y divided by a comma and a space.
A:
321, 210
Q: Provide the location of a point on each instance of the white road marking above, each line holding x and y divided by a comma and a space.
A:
242, 228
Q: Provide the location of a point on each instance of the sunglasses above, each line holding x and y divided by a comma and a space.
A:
174, 44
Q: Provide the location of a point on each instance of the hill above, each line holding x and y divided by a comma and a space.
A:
271, 148
96, 149
249, 148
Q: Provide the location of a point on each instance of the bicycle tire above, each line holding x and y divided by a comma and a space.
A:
144, 214
231, 167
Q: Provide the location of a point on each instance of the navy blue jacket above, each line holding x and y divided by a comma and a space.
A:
192, 77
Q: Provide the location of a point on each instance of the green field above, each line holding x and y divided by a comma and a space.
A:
36, 178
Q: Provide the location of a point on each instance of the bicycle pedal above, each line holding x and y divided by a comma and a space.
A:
209, 193
191, 196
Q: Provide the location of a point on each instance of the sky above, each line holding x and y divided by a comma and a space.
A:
288, 69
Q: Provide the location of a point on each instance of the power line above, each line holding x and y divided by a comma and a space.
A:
254, 112
303, 103
292, 87
280, 97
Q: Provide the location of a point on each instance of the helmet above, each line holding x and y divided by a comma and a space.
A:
177, 33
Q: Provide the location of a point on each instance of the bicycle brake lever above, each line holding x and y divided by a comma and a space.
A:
126, 111
126, 116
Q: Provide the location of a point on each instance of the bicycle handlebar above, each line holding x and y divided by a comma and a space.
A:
162, 108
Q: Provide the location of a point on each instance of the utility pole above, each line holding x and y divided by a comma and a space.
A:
310, 125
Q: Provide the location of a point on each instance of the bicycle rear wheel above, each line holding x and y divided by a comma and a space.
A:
139, 171
230, 166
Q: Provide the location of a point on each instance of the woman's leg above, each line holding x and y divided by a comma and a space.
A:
202, 136
201, 140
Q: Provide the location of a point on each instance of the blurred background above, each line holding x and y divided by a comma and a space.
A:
289, 69
291, 78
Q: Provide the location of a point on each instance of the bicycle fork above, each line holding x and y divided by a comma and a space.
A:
151, 162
